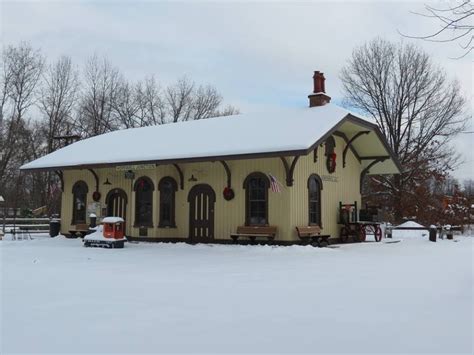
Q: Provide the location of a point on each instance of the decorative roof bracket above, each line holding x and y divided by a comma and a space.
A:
228, 172
344, 137
289, 169
181, 176
96, 177
366, 170
349, 144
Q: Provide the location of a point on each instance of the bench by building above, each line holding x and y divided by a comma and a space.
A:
253, 233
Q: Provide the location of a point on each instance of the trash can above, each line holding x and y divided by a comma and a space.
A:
433, 231
449, 232
54, 227
388, 230
93, 219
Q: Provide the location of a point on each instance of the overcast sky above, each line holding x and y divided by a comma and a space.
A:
256, 54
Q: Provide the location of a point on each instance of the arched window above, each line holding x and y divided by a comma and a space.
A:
79, 197
167, 187
314, 199
144, 202
256, 199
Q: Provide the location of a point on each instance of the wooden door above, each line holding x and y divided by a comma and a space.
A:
116, 203
201, 200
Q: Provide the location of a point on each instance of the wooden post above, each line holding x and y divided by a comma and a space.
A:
433, 232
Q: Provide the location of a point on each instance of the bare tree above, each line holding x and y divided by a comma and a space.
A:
179, 100
205, 102
101, 84
57, 103
146, 104
187, 102
469, 187
418, 109
152, 107
22, 67
455, 20
125, 105
58, 99
228, 110
5, 80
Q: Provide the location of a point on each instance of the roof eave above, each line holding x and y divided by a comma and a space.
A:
173, 161
379, 134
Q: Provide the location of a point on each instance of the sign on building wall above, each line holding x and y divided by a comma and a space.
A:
329, 178
135, 167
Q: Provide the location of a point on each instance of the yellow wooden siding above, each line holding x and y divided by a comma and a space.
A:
70, 178
228, 214
346, 189
286, 209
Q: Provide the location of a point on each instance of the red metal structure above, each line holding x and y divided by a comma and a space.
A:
113, 227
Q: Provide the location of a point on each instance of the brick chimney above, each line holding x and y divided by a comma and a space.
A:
318, 97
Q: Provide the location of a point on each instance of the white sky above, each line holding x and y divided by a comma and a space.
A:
257, 54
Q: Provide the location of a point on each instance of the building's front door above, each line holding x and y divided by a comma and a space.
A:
116, 201
201, 200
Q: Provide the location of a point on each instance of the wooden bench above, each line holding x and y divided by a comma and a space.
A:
254, 232
81, 229
312, 234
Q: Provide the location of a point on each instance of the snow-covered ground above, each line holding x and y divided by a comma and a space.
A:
408, 297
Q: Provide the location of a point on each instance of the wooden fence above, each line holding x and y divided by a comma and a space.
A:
25, 225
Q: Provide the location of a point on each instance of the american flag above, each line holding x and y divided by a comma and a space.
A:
274, 183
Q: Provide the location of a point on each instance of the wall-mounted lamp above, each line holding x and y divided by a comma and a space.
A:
192, 178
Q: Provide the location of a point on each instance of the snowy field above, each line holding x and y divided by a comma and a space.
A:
408, 297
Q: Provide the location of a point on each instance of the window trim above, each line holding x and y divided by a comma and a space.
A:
318, 180
174, 184
77, 185
148, 224
266, 180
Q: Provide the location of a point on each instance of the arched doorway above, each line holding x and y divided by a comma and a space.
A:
201, 200
116, 201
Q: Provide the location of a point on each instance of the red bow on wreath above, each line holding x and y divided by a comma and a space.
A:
331, 162
228, 193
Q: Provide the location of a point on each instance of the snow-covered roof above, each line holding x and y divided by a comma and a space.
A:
276, 132
112, 220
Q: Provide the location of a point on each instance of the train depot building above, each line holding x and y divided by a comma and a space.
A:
202, 180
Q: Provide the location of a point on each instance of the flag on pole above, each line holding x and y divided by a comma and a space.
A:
274, 183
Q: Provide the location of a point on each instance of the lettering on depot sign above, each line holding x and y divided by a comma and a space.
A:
329, 178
